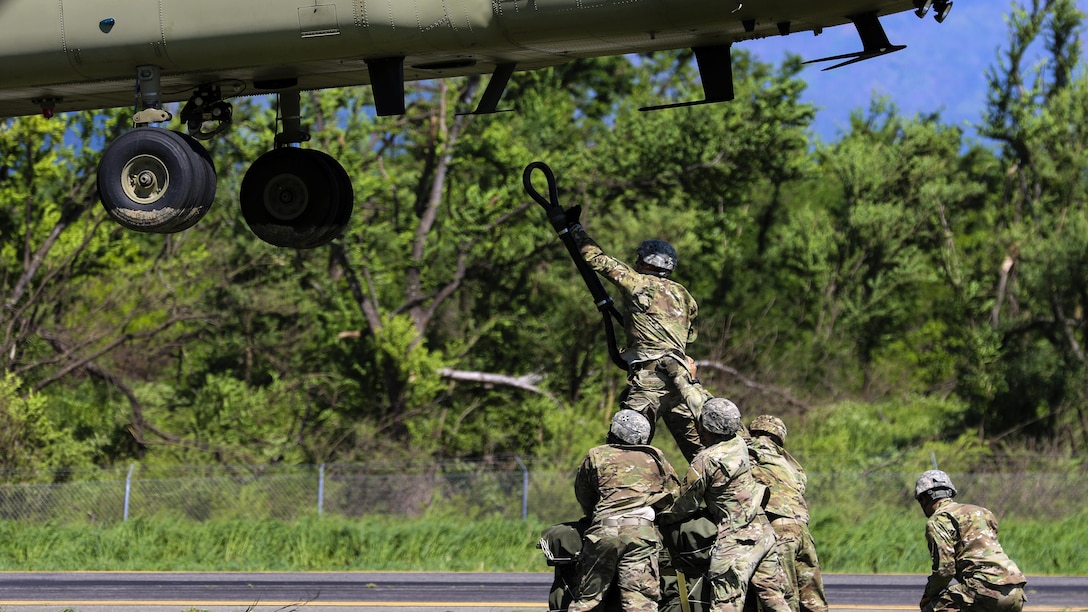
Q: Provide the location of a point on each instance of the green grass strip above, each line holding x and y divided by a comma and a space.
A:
883, 542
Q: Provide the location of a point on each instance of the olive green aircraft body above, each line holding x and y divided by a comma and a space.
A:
71, 55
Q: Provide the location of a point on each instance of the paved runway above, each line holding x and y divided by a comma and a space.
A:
401, 591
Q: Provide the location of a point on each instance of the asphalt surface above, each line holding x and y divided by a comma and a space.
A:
401, 591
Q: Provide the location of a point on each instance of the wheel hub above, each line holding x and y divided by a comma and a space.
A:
286, 197
145, 179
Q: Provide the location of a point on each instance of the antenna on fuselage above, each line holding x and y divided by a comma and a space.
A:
715, 72
874, 42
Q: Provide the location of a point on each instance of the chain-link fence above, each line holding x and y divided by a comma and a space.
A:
1021, 494
507, 488
472, 489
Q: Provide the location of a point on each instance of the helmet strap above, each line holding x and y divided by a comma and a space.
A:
645, 268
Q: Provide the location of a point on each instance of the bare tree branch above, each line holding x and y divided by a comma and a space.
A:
447, 145
138, 426
84, 361
751, 384
527, 382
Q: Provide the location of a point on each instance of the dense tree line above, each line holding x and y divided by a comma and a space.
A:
902, 264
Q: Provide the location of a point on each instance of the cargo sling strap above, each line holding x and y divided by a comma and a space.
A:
601, 298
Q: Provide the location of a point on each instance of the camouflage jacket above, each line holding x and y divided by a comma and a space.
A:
721, 477
775, 467
963, 542
658, 314
615, 479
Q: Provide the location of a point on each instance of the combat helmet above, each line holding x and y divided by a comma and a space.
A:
934, 483
720, 416
630, 427
769, 424
659, 254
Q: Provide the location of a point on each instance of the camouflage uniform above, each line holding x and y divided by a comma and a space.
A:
618, 486
659, 316
744, 550
963, 542
787, 511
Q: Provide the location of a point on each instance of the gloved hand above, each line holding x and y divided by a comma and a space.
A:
573, 213
674, 369
558, 219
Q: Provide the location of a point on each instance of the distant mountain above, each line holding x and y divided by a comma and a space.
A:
942, 69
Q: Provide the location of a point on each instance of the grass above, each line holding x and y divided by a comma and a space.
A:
311, 544
879, 542
888, 542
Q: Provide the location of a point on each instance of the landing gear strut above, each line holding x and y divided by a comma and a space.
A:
151, 179
943, 8
292, 197
156, 180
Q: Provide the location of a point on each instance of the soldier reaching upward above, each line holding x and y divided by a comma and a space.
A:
659, 321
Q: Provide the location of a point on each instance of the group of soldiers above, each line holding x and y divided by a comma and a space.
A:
741, 502
735, 528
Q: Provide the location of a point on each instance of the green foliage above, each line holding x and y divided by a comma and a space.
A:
864, 435
31, 436
850, 429
898, 271
1037, 114
870, 263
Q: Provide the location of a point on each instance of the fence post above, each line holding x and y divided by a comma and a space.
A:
128, 489
320, 488
524, 488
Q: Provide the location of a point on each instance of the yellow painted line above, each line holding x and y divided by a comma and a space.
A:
888, 607
280, 604
861, 607
251, 604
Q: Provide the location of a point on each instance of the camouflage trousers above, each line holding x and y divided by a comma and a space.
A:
797, 553
747, 557
652, 393
963, 598
627, 554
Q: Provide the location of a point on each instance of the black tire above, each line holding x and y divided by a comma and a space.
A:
341, 208
289, 197
149, 180
203, 198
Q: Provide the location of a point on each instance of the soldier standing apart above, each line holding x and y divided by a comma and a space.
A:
963, 543
619, 485
744, 551
658, 319
787, 511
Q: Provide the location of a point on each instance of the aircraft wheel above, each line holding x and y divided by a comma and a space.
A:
202, 162
341, 208
290, 197
152, 180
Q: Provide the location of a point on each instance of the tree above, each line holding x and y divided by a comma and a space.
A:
30, 439
1038, 117
73, 309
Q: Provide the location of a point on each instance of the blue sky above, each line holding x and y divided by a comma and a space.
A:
942, 69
